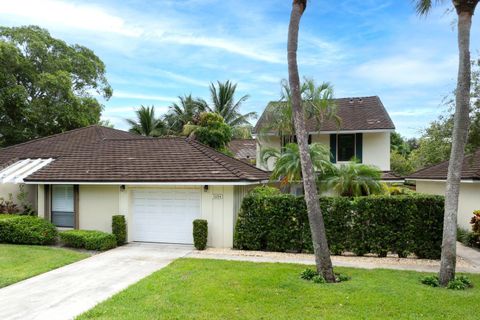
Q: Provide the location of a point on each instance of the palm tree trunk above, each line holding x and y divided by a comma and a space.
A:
315, 218
460, 132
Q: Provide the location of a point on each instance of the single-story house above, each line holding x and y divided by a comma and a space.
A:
81, 178
432, 180
363, 132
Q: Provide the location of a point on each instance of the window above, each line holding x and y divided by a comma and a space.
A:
292, 139
345, 147
63, 212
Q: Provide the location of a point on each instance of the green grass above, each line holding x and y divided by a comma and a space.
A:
19, 262
216, 289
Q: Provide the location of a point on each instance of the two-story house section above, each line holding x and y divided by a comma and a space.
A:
363, 133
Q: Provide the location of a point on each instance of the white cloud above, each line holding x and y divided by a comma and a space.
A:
408, 70
139, 96
69, 15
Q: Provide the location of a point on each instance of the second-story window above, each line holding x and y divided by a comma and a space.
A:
345, 147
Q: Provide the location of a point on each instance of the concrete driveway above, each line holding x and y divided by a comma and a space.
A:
68, 291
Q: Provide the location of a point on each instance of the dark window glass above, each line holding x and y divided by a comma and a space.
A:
62, 206
346, 147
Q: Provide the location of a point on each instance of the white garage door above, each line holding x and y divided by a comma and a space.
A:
165, 215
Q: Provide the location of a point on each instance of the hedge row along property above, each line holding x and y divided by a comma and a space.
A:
376, 224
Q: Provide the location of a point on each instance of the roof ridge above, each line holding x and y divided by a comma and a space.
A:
198, 145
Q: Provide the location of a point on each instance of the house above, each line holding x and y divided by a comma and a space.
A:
363, 133
80, 178
244, 149
432, 180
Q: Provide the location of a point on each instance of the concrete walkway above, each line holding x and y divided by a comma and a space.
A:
366, 262
470, 255
69, 291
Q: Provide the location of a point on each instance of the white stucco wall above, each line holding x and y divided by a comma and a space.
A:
376, 150
468, 202
97, 205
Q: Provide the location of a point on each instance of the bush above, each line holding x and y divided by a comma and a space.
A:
88, 239
459, 283
376, 224
264, 191
26, 230
308, 274
200, 234
318, 279
119, 229
431, 281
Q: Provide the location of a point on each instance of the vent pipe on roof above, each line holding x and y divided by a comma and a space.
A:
351, 101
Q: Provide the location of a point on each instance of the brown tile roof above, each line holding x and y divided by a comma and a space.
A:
360, 113
98, 154
390, 176
470, 169
243, 149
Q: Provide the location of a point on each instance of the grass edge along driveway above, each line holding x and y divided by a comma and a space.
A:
20, 262
219, 289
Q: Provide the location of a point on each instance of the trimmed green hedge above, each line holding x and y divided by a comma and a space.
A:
88, 239
119, 229
26, 230
375, 224
200, 234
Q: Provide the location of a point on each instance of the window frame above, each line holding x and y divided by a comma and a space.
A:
74, 206
354, 147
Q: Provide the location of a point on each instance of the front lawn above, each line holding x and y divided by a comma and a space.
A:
217, 289
19, 262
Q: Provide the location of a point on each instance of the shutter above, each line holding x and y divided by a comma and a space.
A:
333, 148
359, 146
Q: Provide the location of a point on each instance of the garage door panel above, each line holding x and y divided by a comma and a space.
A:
165, 215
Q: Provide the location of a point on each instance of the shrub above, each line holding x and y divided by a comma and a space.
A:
264, 191
377, 224
340, 277
308, 274
431, 281
88, 239
119, 229
26, 230
200, 234
318, 279
459, 283
7, 206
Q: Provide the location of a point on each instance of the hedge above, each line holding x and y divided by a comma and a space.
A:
200, 234
376, 224
26, 230
119, 229
88, 239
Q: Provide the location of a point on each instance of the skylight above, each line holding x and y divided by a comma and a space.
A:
21, 169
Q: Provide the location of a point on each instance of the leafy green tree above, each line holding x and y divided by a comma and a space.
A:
242, 132
399, 144
287, 161
354, 179
146, 123
224, 103
212, 131
46, 85
465, 10
187, 110
401, 164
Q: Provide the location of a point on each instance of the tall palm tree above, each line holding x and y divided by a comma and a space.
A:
465, 10
287, 161
223, 103
146, 124
187, 110
315, 217
353, 180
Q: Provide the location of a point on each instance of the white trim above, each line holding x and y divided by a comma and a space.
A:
331, 132
442, 180
211, 183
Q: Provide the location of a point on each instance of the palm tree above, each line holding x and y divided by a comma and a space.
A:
465, 10
287, 162
186, 111
146, 123
223, 103
315, 217
354, 180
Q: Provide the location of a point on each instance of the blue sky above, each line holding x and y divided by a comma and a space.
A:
157, 50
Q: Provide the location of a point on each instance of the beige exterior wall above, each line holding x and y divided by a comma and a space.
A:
376, 150
468, 202
7, 189
97, 205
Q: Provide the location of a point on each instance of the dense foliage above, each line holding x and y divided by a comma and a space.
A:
46, 85
88, 239
146, 123
200, 234
26, 230
213, 131
119, 229
377, 224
